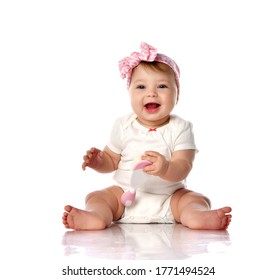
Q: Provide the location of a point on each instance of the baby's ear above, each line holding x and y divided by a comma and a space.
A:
177, 99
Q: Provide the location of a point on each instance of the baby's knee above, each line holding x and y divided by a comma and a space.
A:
201, 197
196, 197
94, 195
208, 201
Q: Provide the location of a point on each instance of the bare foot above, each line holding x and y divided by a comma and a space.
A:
207, 219
78, 219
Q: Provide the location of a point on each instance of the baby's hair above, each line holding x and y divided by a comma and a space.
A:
156, 66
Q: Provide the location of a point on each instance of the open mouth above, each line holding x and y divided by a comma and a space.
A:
152, 106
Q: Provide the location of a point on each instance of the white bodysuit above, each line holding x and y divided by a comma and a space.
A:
130, 139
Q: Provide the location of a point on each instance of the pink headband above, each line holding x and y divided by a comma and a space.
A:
148, 53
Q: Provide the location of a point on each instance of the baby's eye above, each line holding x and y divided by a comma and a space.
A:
162, 86
140, 86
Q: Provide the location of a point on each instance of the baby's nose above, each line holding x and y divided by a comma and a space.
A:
151, 92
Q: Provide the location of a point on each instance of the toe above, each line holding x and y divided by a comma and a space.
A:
68, 208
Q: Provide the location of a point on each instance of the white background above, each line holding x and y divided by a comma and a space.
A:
60, 92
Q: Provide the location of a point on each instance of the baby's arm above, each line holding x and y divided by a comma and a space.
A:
102, 161
174, 170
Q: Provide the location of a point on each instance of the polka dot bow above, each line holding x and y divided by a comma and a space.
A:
148, 53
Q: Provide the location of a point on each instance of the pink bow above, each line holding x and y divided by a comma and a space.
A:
149, 54
126, 65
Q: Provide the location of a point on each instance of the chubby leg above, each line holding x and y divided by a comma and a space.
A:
193, 210
102, 207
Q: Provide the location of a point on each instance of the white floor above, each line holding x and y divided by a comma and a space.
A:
37, 245
145, 242
242, 251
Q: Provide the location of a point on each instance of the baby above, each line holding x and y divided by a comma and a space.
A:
153, 134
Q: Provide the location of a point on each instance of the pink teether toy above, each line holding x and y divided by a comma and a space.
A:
137, 179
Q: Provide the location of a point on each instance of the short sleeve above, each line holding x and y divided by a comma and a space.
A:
184, 136
115, 142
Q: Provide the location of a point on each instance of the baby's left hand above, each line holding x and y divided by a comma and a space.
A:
159, 164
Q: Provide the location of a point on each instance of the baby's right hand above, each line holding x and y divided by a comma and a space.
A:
92, 159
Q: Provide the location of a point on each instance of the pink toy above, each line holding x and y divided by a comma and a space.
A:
137, 179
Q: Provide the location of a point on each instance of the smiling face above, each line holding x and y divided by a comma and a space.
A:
153, 93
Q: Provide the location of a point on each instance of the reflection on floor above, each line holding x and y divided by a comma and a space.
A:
145, 242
